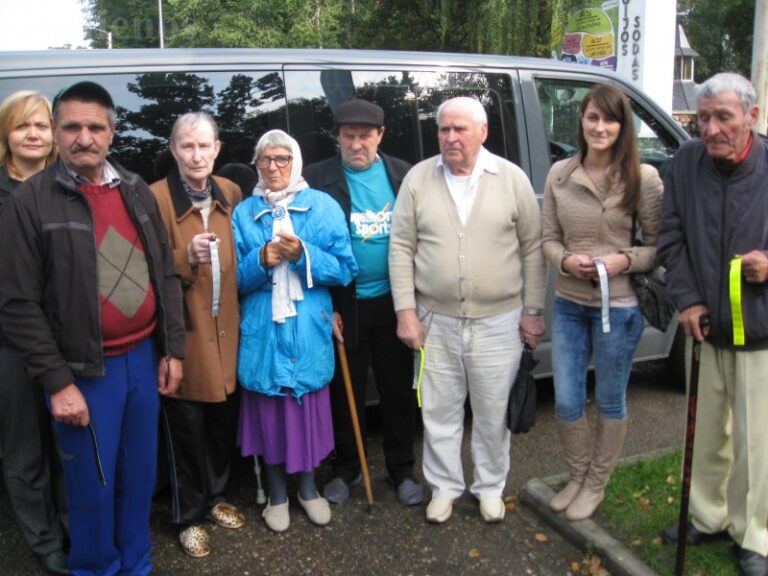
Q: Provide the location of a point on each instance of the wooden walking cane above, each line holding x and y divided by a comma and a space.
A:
355, 422
690, 430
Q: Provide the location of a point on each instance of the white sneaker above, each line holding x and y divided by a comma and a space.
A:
277, 517
439, 510
492, 509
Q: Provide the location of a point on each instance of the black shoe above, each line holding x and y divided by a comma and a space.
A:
693, 536
752, 563
56, 562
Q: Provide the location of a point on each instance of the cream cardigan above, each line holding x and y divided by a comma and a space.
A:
578, 221
474, 270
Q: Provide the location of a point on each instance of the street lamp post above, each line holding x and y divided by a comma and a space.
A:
760, 62
109, 36
160, 21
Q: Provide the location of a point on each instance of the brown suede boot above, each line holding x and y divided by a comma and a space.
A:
575, 440
609, 443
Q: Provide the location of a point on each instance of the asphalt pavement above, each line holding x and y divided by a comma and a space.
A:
391, 540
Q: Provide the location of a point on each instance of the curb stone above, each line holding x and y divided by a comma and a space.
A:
585, 534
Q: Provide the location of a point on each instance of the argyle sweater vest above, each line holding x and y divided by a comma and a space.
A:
125, 290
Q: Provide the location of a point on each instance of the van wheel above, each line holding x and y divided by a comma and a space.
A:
676, 361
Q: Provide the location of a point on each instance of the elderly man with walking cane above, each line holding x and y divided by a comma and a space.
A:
468, 278
365, 181
713, 242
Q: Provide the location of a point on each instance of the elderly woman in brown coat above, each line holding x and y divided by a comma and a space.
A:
201, 418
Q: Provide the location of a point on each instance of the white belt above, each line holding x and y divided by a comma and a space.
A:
605, 296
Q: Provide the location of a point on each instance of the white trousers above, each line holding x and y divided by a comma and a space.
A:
479, 357
729, 480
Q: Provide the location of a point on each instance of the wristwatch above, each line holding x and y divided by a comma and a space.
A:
532, 311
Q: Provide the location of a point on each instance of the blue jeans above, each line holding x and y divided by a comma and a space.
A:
576, 332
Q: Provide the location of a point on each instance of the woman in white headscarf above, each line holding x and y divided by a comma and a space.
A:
292, 243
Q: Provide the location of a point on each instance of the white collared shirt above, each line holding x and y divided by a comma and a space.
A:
109, 176
463, 189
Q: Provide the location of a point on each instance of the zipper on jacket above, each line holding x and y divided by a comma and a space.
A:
160, 308
724, 258
102, 365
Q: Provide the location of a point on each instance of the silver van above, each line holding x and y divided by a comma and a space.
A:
532, 107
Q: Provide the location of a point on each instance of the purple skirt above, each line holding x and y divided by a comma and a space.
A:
282, 431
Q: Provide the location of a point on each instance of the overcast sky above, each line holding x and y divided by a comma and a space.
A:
41, 24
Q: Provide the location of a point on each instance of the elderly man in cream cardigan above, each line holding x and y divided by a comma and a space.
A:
468, 279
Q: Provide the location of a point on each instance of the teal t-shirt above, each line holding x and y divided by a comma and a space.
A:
372, 201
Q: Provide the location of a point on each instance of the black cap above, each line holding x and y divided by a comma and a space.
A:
359, 112
86, 91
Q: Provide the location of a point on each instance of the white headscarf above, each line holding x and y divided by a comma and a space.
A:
286, 288
272, 139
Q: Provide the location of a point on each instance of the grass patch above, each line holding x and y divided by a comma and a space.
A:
642, 499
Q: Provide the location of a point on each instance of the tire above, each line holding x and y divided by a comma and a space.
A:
676, 361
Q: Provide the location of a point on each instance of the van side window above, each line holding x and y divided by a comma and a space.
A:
560, 101
655, 144
409, 98
244, 104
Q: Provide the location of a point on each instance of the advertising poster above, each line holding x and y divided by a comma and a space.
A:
587, 33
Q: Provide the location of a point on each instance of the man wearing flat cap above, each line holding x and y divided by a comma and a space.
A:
90, 297
364, 182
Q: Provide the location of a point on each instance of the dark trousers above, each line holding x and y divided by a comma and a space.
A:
31, 468
377, 346
200, 438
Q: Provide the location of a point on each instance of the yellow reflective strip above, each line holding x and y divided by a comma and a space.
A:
421, 373
735, 296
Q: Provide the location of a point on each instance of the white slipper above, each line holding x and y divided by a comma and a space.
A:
277, 517
318, 510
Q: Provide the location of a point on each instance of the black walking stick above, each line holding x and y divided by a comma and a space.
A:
690, 430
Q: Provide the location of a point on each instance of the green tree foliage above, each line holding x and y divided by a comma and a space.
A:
721, 32
489, 26
133, 23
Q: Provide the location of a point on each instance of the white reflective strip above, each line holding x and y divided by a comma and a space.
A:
310, 282
216, 277
605, 296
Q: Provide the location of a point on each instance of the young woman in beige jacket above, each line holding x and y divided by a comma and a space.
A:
589, 204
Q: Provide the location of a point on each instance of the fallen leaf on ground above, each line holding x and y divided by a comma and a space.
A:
639, 494
596, 567
671, 479
540, 537
590, 566
474, 553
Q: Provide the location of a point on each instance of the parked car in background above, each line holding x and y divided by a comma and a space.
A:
532, 107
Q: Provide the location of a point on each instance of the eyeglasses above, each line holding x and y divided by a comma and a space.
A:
280, 161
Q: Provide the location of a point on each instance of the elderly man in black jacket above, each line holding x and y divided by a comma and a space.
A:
365, 182
713, 241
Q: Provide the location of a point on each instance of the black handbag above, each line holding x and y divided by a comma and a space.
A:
521, 410
651, 290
